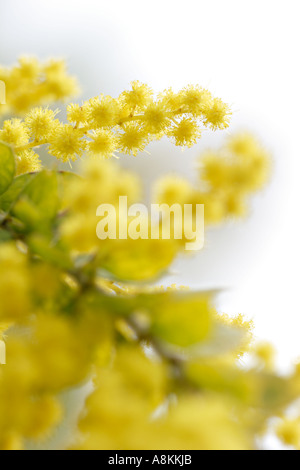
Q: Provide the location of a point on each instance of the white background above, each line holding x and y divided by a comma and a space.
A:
246, 52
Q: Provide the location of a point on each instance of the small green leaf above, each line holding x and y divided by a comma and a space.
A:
38, 203
49, 252
20, 183
182, 320
7, 167
4, 235
13, 192
43, 194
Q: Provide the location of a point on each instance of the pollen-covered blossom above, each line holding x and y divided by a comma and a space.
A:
67, 143
14, 132
185, 133
101, 112
103, 142
138, 97
27, 162
288, 430
77, 114
17, 134
126, 124
227, 176
265, 354
171, 189
133, 139
217, 115
196, 100
41, 123
243, 165
31, 83
156, 118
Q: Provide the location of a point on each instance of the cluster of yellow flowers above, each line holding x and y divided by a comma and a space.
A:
103, 126
227, 177
32, 83
165, 365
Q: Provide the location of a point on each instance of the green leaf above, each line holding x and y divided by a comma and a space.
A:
7, 167
4, 235
43, 194
20, 183
11, 195
52, 254
38, 202
253, 388
182, 320
64, 178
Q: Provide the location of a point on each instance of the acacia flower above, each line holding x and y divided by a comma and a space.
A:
139, 97
196, 100
27, 162
14, 132
104, 142
41, 122
67, 143
217, 115
133, 139
102, 111
185, 133
155, 118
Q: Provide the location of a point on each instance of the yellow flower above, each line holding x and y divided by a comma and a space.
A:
67, 143
102, 112
214, 206
28, 68
27, 162
133, 139
235, 203
79, 233
77, 114
215, 169
135, 117
41, 123
170, 100
155, 118
61, 358
103, 143
14, 132
196, 100
244, 326
138, 260
185, 133
217, 115
45, 414
139, 97
243, 144
288, 430
265, 354
57, 84
54, 67
31, 83
11, 441
172, 189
